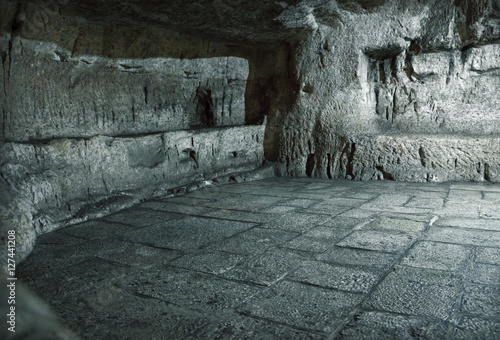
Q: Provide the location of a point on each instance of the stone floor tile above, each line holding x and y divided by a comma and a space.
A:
140, 256
281, 209
469, 223
423, 192
471, 328
59, 238
141, 217
387, 202
488, 255
276, 191
481, 300
57, 250
359, 213
458, 209
74, 280
297, 222
186, 199
319, 186
381, 326
420, 202
244, 327
253, 241
211, 262
187, 234
184, 209
490, 211
245, 202
235, 189
342, 201
465, 194
114, 314
491, 197
384, 223
318, 239
487, 274
211, 194
96, 230
463, 236
360, 195
267, 268
390, 242
244, 216
475, 186
191, 290
426, 218
344, 222
303, 306
417, 292
358, 257
328, 209
343, 278
441, 256
300, 203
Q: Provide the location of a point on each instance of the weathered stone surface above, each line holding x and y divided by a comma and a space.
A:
411, 78
358, 257
391, 326
173, 234
98, 98
307, 307
404, 289
50, 94
347, 279
476, 328
195, 290
428, 290
377, 240
64, 175
481, 300
439, 256
247, 327
414, 158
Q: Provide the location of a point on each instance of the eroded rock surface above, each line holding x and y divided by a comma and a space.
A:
102, 101
64, 96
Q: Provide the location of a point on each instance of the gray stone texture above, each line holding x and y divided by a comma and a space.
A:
154, 273
51, 94
67, 180
108, 103
408, 94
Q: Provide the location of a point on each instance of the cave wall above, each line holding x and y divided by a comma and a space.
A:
53, 95
396, 90
107, 102
96, 118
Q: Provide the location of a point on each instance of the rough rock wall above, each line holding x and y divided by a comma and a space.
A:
396, 90
65, 178
50, 94
97, 118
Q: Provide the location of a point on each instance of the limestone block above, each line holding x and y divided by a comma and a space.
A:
50, 94
63, 177
426, 158
427, 64
485, 58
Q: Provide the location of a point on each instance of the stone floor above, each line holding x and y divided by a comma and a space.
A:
282, 259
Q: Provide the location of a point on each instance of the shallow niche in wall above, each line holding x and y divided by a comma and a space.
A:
205, 115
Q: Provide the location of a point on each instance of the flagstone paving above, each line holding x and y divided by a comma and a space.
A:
282, 258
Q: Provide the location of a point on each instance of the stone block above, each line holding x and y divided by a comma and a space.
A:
51, 94
304, 306
416, 292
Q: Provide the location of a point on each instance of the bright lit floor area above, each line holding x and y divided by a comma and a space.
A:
282, 258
